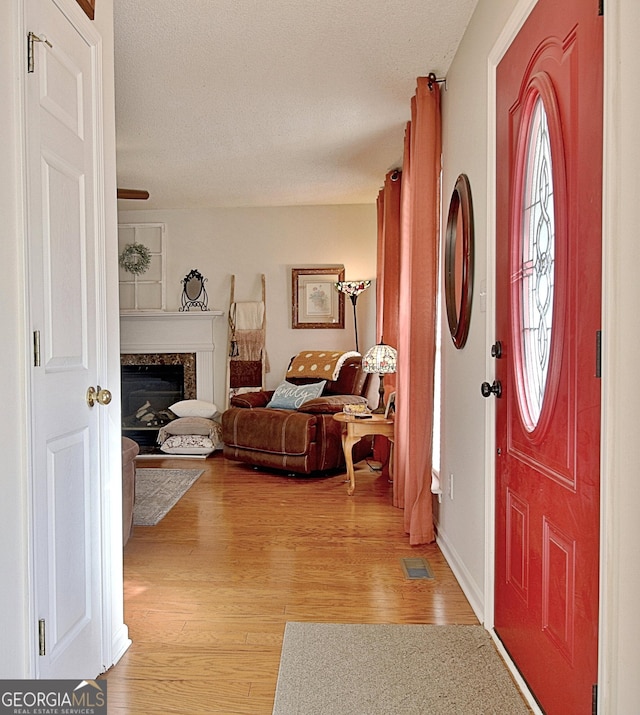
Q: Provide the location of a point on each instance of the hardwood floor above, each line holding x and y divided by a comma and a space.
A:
209, 589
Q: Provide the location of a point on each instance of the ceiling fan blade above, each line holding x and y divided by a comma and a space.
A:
133, 194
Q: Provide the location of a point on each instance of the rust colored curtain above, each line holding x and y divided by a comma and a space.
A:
418, 240
388, 270
388, 284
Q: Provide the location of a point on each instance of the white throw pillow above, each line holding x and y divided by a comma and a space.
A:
194, 408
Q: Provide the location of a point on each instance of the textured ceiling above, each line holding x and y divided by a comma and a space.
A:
276, 102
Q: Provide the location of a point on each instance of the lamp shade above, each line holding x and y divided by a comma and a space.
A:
352, 288
380, 359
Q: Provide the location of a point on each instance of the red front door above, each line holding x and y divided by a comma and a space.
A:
549, 179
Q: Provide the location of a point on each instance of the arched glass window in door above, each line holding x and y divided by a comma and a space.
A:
537, 264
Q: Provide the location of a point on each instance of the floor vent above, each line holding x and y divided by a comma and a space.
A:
416, 568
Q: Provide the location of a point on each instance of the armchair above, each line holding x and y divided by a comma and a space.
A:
303, 441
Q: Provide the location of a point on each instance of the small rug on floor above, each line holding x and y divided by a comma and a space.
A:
367, 669
158, 491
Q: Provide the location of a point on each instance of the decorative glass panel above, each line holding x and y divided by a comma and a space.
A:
537, 265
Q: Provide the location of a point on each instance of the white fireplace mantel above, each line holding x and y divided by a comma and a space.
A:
168, 332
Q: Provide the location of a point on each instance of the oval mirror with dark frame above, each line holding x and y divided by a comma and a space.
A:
458, 261
193, 288
194, 294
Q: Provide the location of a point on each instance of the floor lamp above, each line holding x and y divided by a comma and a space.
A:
353, 290
381, 359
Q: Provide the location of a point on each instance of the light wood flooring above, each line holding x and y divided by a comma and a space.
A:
209, 589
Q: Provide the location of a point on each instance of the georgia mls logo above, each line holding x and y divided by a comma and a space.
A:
53, 697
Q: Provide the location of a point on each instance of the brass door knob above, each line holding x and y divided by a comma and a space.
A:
99, 395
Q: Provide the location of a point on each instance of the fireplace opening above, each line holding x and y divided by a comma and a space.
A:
149, 387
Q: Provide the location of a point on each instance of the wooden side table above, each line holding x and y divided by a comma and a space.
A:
354, 429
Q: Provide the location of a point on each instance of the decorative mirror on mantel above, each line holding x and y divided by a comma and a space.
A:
194, 294
458, 261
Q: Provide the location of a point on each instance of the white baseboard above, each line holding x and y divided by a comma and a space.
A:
119, 645
468, 585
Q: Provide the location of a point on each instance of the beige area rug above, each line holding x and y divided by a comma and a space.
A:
337, 669
158, 491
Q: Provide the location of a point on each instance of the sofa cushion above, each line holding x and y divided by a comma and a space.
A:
288, 396
267, 430
331, 404
252, 399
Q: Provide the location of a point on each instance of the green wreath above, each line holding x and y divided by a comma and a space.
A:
135, 258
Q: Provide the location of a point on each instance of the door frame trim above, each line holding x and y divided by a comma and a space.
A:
618, 687
511, 28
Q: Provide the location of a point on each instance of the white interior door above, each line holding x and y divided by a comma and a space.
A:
64, 221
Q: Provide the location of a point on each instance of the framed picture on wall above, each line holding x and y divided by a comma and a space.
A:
315, 301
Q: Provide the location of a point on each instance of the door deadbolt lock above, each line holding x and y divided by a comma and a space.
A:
101, 396
496, 350
495, 389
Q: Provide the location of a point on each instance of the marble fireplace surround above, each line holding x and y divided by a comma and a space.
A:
163, 332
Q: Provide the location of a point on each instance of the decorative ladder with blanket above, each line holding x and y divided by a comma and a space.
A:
247, 361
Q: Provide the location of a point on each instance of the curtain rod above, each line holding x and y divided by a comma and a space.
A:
432, 78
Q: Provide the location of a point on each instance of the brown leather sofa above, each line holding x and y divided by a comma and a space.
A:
303, 441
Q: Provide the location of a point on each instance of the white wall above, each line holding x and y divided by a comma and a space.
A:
250, 241
461, 521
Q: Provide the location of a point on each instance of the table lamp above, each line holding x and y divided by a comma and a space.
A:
380, 359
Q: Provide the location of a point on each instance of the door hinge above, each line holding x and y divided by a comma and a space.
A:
31, 38
36, 348
594, 699
598, 353
42, 649
600, 7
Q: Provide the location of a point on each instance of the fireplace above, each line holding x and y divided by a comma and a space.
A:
150, 384
162, 339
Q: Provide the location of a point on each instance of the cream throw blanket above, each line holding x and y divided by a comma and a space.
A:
248, 315
246, 320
